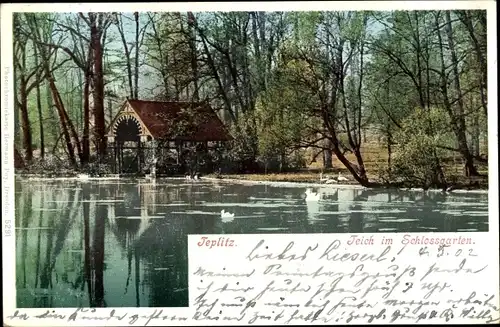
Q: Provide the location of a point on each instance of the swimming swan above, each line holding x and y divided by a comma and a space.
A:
225, 214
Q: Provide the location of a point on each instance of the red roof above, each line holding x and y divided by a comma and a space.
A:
181, 120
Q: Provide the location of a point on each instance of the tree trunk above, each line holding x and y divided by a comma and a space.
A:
23, 103
40, 120
363, 180
98, 78
389, 150
18, 159
470, 169
136, 68
418, 54
16, 108
128, 60
71, 126
194, 61
360, 178
476, 133
64, 127
86, 110
467, 21
25, 121
327, 154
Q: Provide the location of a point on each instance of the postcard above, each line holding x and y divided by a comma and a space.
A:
254, 163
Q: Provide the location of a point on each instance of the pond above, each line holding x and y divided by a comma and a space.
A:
123, 243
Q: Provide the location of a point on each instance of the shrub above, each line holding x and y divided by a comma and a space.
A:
416, 159
49, 166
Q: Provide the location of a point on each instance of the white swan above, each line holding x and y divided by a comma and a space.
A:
341, 178
326, 179
83, 176
312, 196
226, 217
225, 214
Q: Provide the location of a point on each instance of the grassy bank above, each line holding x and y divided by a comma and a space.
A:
375, 160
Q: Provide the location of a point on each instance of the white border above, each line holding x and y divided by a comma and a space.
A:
8, 243
247, 6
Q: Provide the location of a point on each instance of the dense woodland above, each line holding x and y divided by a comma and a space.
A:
291, 86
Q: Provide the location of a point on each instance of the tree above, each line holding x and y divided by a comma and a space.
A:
44, 43
98, 24
419, 148
475, 23
132, 62
20, 53
321, 70
419, 54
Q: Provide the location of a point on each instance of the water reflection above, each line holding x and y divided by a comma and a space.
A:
124, 243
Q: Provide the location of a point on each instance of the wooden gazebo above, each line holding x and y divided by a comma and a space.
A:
173, 137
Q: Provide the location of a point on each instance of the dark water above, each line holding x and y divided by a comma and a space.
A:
124, 243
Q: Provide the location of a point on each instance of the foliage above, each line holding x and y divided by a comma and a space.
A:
420, 142
51, 166
283, 82
281, 122
243, 149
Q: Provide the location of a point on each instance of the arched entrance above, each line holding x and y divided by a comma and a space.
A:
127, 130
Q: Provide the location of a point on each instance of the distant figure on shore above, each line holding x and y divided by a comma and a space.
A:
193, 177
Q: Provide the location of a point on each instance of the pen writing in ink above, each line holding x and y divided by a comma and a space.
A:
90, 314
285, 254
434, 269
418, 304
50, 315
295, 287
342, 257
203, 272
433, 287
258, 316
17, 315
471, 300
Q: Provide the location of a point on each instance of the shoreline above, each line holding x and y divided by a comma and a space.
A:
340, 186
298, 184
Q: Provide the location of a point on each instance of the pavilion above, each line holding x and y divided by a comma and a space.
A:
172, 137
